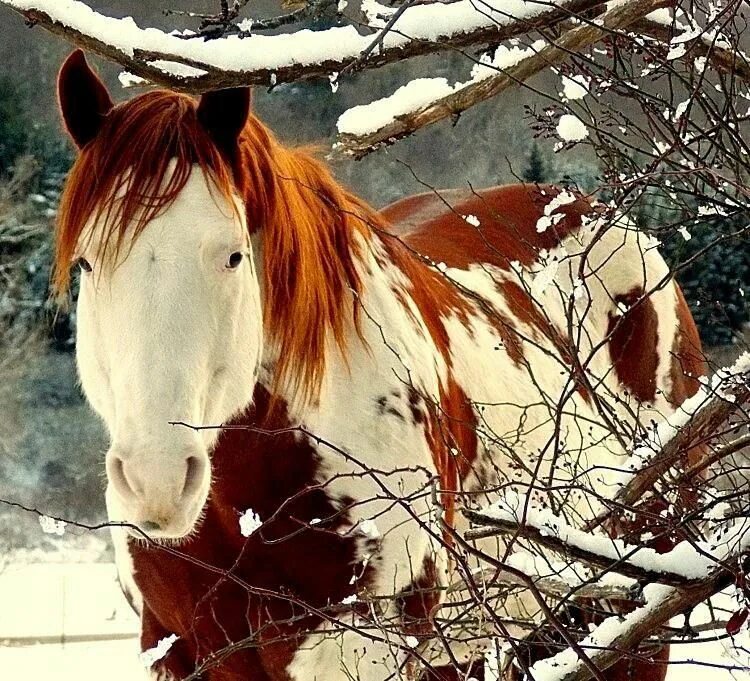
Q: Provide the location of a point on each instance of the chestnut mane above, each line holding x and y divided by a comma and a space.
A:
307, 222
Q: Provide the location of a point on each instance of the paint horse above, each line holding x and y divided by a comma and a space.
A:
373, 373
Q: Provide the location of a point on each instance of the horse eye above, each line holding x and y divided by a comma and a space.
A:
234, 260
84, 264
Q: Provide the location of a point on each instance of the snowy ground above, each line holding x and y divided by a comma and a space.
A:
67, 622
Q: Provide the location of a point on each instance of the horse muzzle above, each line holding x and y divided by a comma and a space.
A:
160, 496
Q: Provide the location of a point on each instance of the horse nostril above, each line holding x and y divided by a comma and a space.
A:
193, 475
119, 478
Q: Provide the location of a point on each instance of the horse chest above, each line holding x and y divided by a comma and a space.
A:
221, 587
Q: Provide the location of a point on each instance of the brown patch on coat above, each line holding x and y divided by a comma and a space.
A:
632, 344
275, 475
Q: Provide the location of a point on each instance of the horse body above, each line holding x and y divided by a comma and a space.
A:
458, 347
399, 409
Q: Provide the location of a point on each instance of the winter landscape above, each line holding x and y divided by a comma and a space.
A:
263, 416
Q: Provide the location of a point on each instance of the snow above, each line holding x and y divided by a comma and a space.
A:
115, 660
249, 522
676, 52
551, 218
473, 220
575, 87
128, 79
570, 128
418, 93
158, 652
683, 561
423, 92
369, 529
259, 52
67, 622
52, 526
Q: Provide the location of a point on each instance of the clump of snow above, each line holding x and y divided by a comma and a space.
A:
676, 51
177, 69
52, 526
550, 217
661, 16
547, 221
420, 92
249, 522
158, 652
570, 128
369, 529
575, 87
128, 79
473, 220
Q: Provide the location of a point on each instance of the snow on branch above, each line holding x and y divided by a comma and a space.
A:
701, 567
195, 65
605, 645
678, 580
692, 423
544, 528
364, 129
723, 58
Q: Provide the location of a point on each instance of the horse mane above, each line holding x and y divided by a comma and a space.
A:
125, 177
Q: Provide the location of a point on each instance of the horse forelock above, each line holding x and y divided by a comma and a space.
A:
309, 227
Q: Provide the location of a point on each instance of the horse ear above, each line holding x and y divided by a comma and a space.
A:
84, 99
223, 113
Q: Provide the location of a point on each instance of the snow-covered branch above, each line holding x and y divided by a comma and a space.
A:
721, 57
427, 101
700, 568
693, 423
551, 532
196, 65
693, 571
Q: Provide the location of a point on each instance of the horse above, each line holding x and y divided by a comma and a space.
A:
302, 393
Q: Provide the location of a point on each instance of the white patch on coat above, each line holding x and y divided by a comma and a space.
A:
516, 406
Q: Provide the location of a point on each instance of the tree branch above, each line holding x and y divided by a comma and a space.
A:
452, 105
493, 526
261, 60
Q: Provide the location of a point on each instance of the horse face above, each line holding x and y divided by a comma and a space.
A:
169, 333
169, 337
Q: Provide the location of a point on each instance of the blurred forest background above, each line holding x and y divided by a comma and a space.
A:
51, 445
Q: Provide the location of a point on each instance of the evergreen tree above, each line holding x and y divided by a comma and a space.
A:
536, 168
